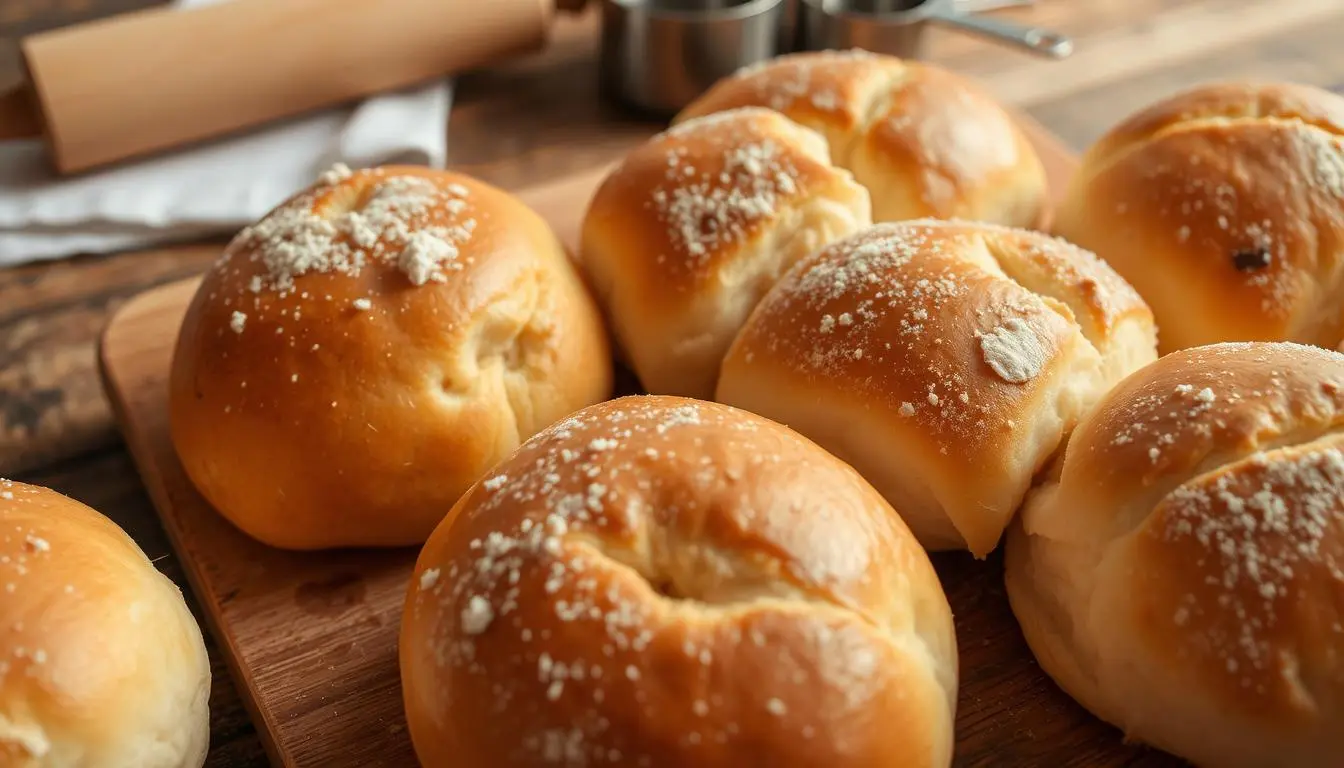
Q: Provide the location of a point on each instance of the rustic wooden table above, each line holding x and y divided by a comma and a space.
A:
542, 118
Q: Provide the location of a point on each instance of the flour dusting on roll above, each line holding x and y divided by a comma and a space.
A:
683, 238
658, 581
377, 323
924, 142
946, 361
1183, 576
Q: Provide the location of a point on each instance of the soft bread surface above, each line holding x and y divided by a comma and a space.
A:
101, 662
363, 354
664, 582
945, 361
1183, 578
1224, 207
684, 237
925, 142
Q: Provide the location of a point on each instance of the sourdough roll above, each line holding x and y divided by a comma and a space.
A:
1183, 578
669, 583
101, 662
683, 238
1224, 207
947, 362
366, 351
923, 141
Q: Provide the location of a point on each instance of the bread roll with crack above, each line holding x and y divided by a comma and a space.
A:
684, 237
1224, 206
359, 357
665, 582
924, 141
947, 362
1184, 576
101, 662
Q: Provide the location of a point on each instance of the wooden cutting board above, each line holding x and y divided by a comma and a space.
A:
312, 637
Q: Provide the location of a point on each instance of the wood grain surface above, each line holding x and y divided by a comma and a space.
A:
311, 638
542, 118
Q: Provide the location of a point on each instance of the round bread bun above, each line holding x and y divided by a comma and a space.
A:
1224, 207
661, 582
101, 662
946, 361
923, 141
686, 235
364, 353
1184, 577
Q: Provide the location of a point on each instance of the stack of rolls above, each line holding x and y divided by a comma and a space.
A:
693, 227
838, 247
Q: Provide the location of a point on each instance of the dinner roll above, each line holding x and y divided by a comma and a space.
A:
101, 662
683, 238
925, 142
1184, 577
366, 351
1224, 207
660, 582
945, 361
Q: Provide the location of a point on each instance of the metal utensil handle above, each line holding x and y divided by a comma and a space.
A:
980, 6
1040, 41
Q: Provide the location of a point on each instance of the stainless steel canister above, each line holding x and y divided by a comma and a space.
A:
659, 55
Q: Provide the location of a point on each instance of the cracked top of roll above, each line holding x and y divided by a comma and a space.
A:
1224, 206
658, 577
924, 141
971, 345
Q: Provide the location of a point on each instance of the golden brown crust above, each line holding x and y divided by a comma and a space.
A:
926, 142
101, 661
972, 350
1186, 572
656, 582
321, 363
694, 225
1224, 206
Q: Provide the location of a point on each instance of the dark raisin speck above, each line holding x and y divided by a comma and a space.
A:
1252, 260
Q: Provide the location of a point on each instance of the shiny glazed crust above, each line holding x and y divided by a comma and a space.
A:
946, 361
379, 323
684, 237
1224, 207
924, 141
101, 662
659, 581
1184, 575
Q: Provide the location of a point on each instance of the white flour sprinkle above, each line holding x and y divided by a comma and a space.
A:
477, 615
335, 175
711, 201
400, 222
1014, 351
429, 578
1259, 530
237, 321
363, 305
776, 707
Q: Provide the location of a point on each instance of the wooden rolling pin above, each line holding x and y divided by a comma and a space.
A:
143, 82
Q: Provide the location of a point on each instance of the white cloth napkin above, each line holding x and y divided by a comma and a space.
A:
210, 189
